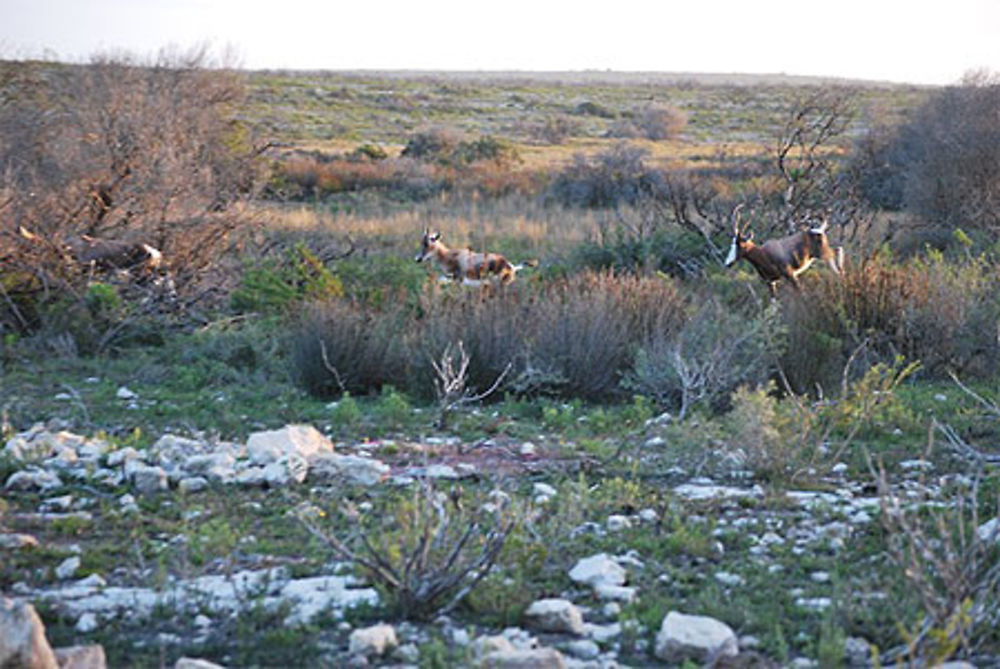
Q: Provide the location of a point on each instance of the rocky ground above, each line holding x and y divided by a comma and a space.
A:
59, 479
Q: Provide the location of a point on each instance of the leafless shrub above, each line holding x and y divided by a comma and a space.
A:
613, 178
712, 354
948, 157
119, 149
805, 154
573, 337
950, 561
582, 333
451, 384
552, 129
426, 553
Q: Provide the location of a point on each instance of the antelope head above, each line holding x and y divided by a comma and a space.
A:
742, 239
428, 244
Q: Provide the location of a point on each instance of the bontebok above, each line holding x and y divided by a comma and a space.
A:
465, 265
784, 258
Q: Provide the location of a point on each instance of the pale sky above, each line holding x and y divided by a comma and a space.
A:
916, 41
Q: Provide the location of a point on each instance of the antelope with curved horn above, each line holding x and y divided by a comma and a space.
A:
465, 265
784, 258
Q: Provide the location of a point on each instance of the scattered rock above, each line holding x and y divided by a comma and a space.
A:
584, 649
485, 645
289, 468
302, 440
16, 542
535, 658
372, 641
555, 615
597, 570
147, 479
196, 663
192, 484
81, 657
32, 479
617, 593
989, 531
727, 578
698, 638
67, 568
86, 623
22, 637
706, 490
353, 468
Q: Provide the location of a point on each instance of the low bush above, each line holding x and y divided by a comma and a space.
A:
940, 312
714, 351
572, 337
655, 122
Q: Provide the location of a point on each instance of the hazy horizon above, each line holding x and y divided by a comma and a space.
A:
889, 41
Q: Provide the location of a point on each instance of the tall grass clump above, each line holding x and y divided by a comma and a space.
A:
572, 337
342, 345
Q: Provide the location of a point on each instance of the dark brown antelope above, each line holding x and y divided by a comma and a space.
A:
465, 265
105, 254
784, 258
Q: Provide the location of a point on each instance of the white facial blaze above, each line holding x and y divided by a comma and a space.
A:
731, 258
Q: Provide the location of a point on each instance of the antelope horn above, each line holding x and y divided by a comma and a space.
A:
736, 218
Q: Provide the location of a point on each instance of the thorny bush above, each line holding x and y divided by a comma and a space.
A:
122, 150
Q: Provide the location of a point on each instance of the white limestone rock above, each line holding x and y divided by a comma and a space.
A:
989, 531
353, 468
148, 479
288, 469
22, 637
372, 642
68, 567
303, 440
697, 638
597, 570
17, 541
555, 615
195, 663
192, 484
33, 479
86, 623
529, 658
615, 593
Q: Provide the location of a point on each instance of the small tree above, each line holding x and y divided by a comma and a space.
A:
119, 149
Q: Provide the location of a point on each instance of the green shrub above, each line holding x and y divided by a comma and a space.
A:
392, 408
274, 286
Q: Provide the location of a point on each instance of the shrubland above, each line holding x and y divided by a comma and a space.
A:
289, 294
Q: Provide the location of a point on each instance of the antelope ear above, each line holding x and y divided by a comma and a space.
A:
749, 235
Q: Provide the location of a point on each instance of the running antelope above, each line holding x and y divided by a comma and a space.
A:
465, 265
784, 258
